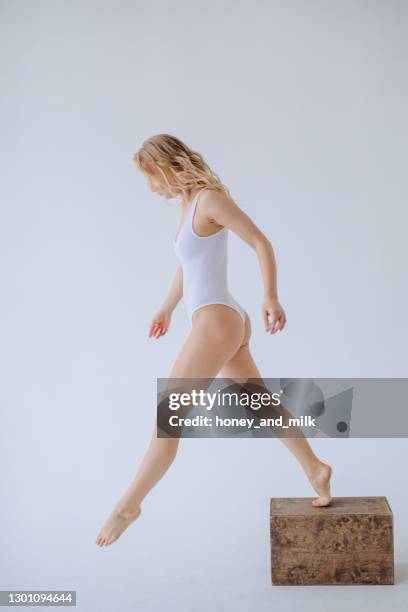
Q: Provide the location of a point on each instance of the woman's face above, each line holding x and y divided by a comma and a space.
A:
156, 185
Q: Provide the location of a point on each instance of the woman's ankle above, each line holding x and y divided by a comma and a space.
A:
313, 468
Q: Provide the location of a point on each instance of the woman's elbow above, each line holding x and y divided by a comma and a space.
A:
261, 242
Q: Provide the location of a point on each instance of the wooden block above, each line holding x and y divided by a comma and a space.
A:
349, 542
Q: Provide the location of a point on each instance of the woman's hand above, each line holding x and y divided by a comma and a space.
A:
273, 315
160, 323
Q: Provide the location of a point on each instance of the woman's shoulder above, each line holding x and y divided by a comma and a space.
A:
213, 195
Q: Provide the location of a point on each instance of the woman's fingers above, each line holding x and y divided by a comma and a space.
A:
159, 325
281, 322
157, 330
277, 323
269, 324
151, 330
265, 318
154, 328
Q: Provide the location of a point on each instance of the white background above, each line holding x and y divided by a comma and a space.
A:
300, 107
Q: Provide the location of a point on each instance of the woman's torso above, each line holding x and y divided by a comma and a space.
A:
204, 262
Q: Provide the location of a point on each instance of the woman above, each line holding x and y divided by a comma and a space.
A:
218, 342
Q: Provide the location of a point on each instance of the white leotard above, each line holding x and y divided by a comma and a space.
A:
204, 264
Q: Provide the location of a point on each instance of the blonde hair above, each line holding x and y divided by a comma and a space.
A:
182, 169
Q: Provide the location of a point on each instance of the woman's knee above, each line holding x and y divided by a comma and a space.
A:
163, 444
166, 446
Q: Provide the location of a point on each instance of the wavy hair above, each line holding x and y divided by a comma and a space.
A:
182, 169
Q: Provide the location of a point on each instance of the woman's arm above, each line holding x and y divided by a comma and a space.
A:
161, 320
176, 291
223, 210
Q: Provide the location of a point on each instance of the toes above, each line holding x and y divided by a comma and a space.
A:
321, 502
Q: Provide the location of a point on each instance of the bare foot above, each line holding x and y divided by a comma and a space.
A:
116, 524
320, 481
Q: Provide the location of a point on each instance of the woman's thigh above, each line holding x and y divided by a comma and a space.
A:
242, 365
216, 335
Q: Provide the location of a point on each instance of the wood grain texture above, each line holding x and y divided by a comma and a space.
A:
349, 542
